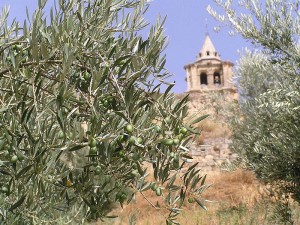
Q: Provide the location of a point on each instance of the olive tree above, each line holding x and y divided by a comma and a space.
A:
82, 117
266, 133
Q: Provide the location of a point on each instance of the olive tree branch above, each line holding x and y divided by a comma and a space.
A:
51, 61
148, 200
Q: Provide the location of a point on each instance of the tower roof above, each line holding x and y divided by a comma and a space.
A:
208, 50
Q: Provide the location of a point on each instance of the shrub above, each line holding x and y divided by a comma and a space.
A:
266, 135
81, 115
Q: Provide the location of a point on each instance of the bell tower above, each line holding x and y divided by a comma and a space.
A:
211, 91
209, 72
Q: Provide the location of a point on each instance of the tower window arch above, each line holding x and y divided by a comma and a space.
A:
217, 78
207, 53
203, 79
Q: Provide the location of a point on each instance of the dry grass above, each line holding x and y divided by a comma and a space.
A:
209, 126
212, 129
234, 188
235, 198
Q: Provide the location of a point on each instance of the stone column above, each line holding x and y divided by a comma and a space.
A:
222, 78
229, 77
225, 75
210, 79
188, 81
195, 78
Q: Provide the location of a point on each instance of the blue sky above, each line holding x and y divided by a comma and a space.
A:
185, 27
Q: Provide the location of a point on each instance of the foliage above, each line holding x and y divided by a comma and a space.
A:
266, 134
81, 117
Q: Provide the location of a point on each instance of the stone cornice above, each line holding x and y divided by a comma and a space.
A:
231, 89
207, 59
227, 63
197, 63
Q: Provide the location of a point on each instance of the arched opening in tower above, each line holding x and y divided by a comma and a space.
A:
217, 78
203, 78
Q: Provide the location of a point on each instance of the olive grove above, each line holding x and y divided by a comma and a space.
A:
82, 116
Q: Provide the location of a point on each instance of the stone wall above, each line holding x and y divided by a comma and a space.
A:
214, 149
212, 154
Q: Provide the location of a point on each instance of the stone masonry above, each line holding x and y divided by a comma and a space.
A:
208, 76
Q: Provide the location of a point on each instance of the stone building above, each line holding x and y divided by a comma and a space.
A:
209, 74
210, 86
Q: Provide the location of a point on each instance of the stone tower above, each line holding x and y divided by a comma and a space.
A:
209, 74
211, 91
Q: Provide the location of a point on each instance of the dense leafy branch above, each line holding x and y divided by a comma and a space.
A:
81, 119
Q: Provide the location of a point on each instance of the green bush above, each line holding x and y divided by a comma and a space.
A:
266, 132
82, 115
